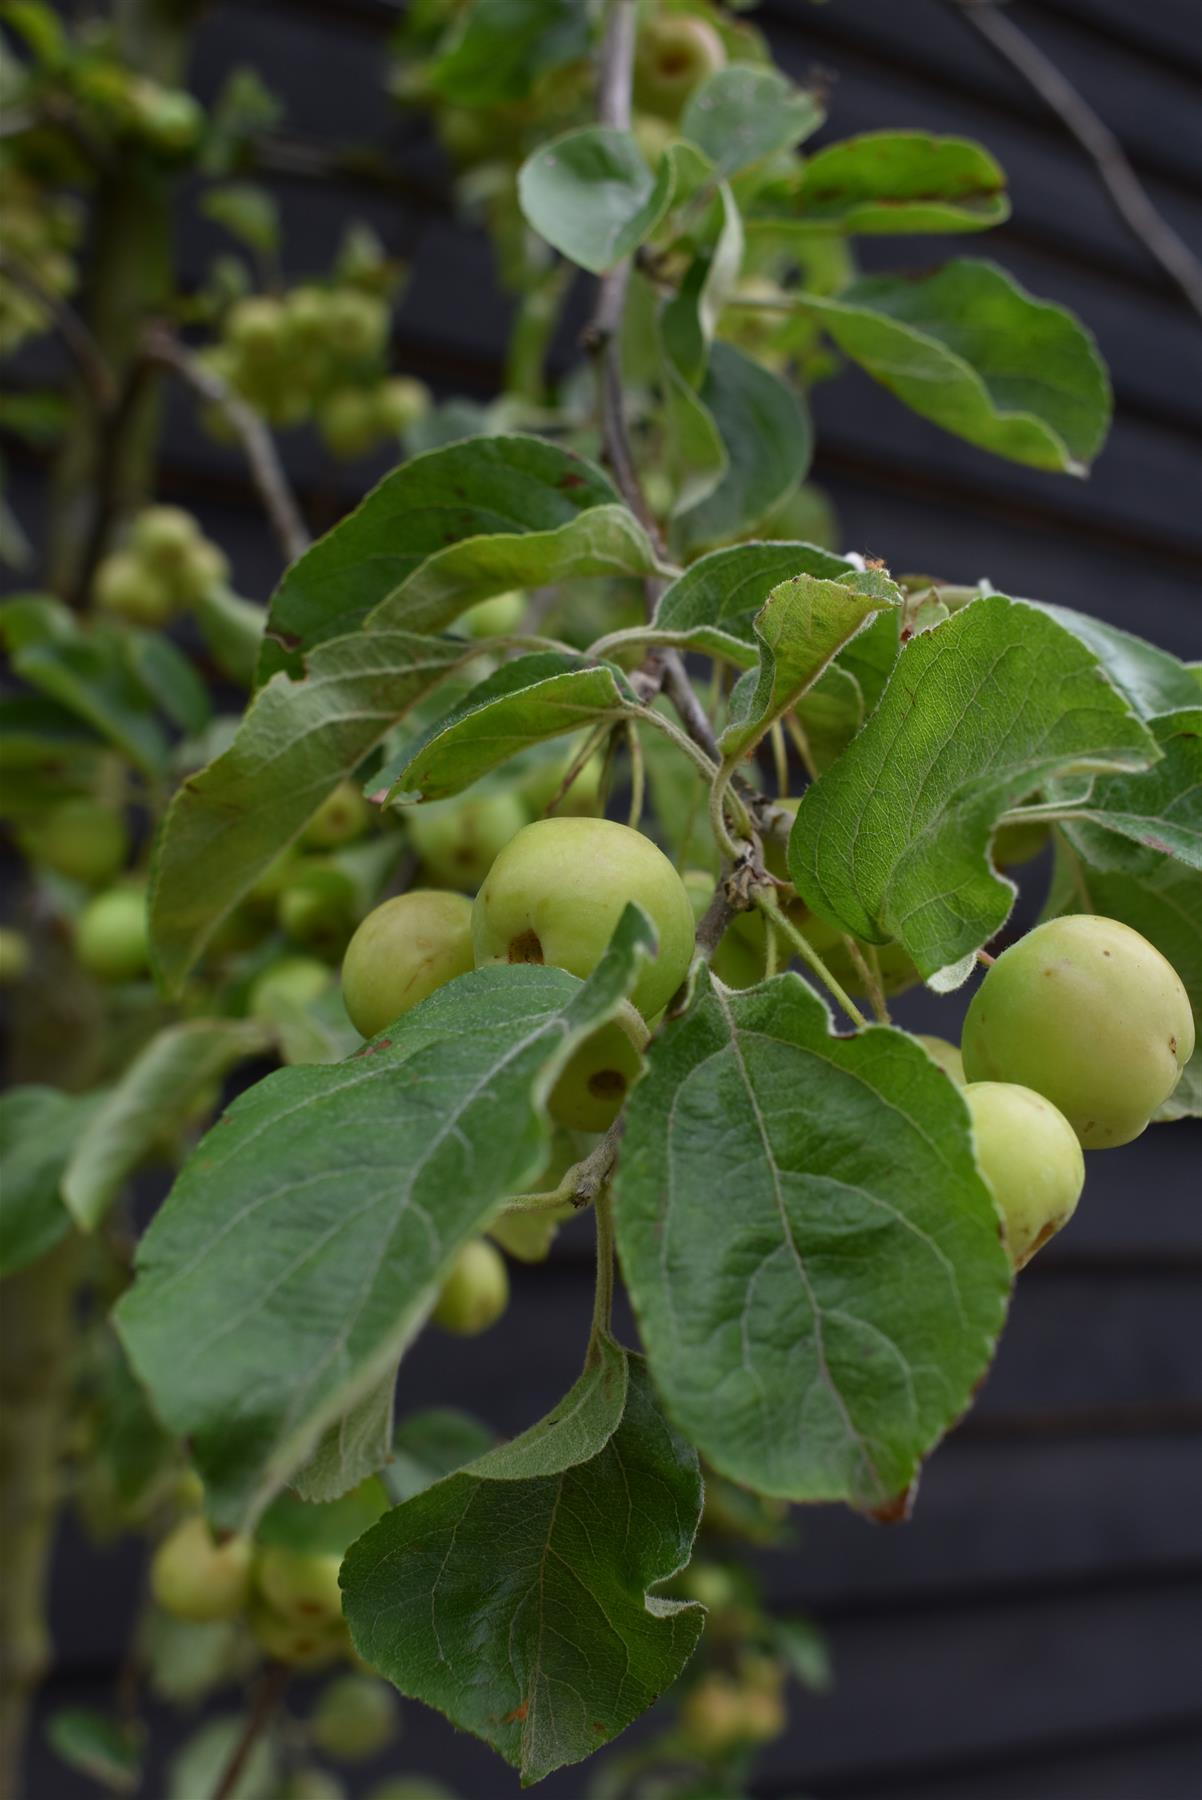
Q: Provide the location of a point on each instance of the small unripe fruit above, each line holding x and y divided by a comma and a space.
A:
356, 1717
947, 1055
459, 840
1029, 1155
299, 1644
401, 402
348, 422
257, 326
714, 1586
653, 136
410, 1787
676, 53
195, 1578
293, 981
164, 537
1089, 1014
125, 587
317, 908
112, 941
476, 1292
556, 892
494, 618
299, 1586
401, 952
170, 119
356, 323
342, 816
14, 956
592, 1090
79, 838
718, 1715
311, 1784
207, 567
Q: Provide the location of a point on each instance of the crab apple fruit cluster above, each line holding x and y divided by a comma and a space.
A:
675, 53
164, 566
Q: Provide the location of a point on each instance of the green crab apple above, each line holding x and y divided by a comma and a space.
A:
946, 1054
14, 956
592, 1088
401, 952
348, 422
476, 1292
356, 1717
257, 326
1029, 1155
1089, 1014
126, 588
401, 402
195, 1578
293, 981
718, 1714
112, 940
495, 617
557, 890
298, 1585
299, 1644
80, 838
317, 907
541, 784
342, 816
356, 324
676, 53
459, 840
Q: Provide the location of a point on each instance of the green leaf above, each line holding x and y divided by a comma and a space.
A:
97, 1746
431, 1444
798, 630
765, 431
39, 1127
971, 350
90, 677
552, 1647
892, 842
232, 628
713, 606
744, 113
830, 713
804, 1648
505, 45
1132, 822
297, 741
447, 529
1165, 906
887, 182
353, 1448
305, 1242
814, 1259
592, 196
526, 702
325, 1529
150, 1098
247, 211
1149, 679
690, 319
131, 1459
168, 680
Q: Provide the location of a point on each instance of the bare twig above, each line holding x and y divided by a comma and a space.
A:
1096, 139
267, 1699
82, 346
266, 469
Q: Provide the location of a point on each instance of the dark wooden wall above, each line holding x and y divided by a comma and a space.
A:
1035, 1631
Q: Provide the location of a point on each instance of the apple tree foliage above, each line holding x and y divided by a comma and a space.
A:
826, 750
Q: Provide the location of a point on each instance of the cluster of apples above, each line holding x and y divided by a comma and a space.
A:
87, 841
164, 566
319, 352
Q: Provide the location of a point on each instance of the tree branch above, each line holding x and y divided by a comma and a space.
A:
266, 469
86, 353
1096, 139
267, 1699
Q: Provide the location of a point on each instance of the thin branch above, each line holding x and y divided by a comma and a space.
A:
1096, 139
270, 1693
86, 353
712, 925
266, 469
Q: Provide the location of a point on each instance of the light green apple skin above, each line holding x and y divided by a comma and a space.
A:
1089, 1014
556, 892
1029, 1155
291, 982
675, 54
80, 838
495, 617
298, 1586
356, 1717
946, 1054
112, 938
401, 952
476, 1292
342, 816
459, 840
592, 1090
194, 1578
298, 1643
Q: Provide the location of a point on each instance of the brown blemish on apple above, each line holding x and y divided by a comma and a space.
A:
525, 948
604, 1084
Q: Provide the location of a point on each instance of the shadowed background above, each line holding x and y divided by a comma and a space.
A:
1035, 1631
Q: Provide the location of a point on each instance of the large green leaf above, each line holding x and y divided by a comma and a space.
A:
886, 182
592, 196
801, 626
815, 1261
714, 604
892, 842
148, 1101
971, 350
1149, 679
515, 1595
447, 529
526, 702
39, 1127
744, 113
428, 1445
227, 824
765, 430
305, 1241
1132, 822
504, 46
